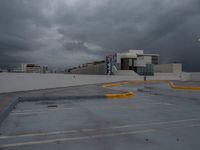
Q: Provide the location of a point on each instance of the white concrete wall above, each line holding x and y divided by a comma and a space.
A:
128, 73
143, 60
177, 68
185, 76
190, 76
11, 82
168, 68
195, 76
165, 76
130, 54
157, 76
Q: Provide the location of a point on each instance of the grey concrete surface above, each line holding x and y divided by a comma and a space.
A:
157, 118
84, 90
7, 99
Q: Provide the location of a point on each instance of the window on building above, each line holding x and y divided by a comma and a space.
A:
155, 60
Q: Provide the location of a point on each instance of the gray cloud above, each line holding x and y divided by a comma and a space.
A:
66, 33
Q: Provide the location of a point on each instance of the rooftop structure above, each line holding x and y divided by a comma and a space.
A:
134, 60
132, 63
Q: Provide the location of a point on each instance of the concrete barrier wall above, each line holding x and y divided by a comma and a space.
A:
185, 76
165, 76
11, 82
195, 76
168, 68
128, 73
190, 76
157, 76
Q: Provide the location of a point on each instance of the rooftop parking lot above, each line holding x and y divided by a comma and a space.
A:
158, 117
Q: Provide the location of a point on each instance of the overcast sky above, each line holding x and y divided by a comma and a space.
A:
65, 33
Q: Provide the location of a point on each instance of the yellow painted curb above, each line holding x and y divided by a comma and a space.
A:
114, 84
120, 95
123, 95
131, 94
170, 83
177, 87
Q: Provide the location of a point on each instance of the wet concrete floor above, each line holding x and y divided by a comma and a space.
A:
157, 118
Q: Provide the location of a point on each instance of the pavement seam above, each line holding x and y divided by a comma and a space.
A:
4, 113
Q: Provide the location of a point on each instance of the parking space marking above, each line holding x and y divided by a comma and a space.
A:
195, 125
156, 123
175, 122
38, 134
162, 103
37, 111
128, 94
74, 138
91, 136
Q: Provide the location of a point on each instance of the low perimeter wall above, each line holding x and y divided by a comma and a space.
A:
11, 82
195, 76
190, 76
165, 76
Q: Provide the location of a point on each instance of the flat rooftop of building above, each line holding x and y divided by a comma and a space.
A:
158, 117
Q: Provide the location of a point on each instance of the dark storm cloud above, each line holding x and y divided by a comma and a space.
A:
66, 33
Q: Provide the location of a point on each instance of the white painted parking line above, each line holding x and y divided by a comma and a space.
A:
26, 112
163, 103
38, 134
111, 127
155, 123
74, 138
195, 125
83, 137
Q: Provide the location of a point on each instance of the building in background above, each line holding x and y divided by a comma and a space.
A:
134, 60
94, 68
16, 70
3, 70
33, 68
